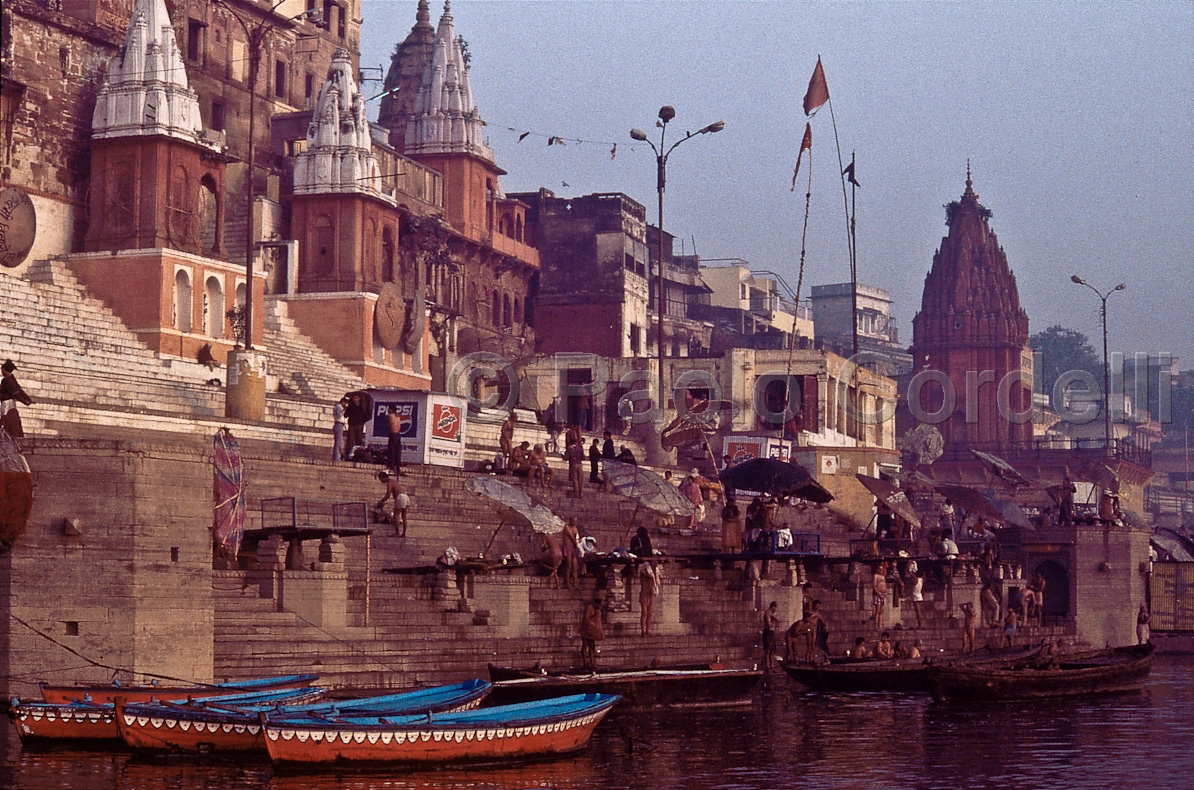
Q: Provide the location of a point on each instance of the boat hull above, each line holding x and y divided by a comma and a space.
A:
45, 724
901, 675
337, 743
107, 693
1118, 671
896, 675
205, 729
639, 688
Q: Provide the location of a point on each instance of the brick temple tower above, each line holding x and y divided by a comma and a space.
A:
970, 339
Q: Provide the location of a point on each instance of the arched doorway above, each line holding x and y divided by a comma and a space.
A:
213, 308
1056, 604
182, 301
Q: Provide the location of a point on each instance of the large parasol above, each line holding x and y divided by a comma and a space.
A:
16, 491
515, 506
229, 511
1013, 514
647, 489
972, 501
891, 496
1093, 470
772, 476
1002, 469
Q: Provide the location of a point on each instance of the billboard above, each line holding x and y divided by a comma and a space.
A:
433, 426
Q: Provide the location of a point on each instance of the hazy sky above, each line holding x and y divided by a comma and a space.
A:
1078, 120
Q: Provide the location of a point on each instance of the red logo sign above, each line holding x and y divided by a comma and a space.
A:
445, 422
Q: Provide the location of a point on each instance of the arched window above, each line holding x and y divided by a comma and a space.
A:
518, 227
209, 213
121, 198
517, 311
507, 316
182, 301
324, 238
497, 308
240, 296
213, 308
387, 255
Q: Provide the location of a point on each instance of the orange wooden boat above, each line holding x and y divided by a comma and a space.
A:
108, 692
49, 723
70, 721
210, 726
509, 732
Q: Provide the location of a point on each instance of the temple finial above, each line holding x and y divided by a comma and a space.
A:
423, 15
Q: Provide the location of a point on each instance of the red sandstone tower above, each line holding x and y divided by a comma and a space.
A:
970, 339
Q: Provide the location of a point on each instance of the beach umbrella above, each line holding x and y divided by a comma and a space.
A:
1013, 514
775, 477
515, 506
1093, 470
972, 501
229, 509
16, 491
891, 496
1002, 469
646, 488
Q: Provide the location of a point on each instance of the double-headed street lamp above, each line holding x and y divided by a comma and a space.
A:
1106, 366
666, 113
255, 35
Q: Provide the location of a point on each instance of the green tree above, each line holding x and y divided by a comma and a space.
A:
1063, 350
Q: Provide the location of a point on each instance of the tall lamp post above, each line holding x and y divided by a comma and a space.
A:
1106, 365
655, 451
255, 35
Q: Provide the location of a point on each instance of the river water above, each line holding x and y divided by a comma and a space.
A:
788, 738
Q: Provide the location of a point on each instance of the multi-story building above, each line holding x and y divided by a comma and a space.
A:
138, 158
599, 287
750, 309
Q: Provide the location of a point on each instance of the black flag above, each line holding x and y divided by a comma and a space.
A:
849, 174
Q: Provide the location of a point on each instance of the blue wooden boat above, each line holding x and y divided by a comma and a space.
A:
57, 723
234, 725
108, 692
508, 732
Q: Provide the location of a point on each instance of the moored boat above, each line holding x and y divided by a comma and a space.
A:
901, 675
1118, 670
497, 673
639, 688
51, 723
216, 727
508, 732
108, 692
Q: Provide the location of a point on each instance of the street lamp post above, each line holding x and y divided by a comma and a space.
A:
656, 455
255, 37
1106, 365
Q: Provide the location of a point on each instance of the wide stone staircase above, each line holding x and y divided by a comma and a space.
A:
84, 368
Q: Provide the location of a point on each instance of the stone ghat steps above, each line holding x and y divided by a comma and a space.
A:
73, 351
348, 665
299, 363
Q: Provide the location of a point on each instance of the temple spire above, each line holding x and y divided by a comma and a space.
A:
145, 92
444, 118
339, 155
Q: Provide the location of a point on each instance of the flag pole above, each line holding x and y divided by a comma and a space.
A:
842, 170
854, 249
808, 197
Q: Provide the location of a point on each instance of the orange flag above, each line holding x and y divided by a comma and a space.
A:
805, 145
818, 90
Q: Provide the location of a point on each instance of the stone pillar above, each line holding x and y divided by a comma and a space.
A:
319, 597
244, 398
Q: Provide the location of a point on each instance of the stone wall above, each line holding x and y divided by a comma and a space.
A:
115, 563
